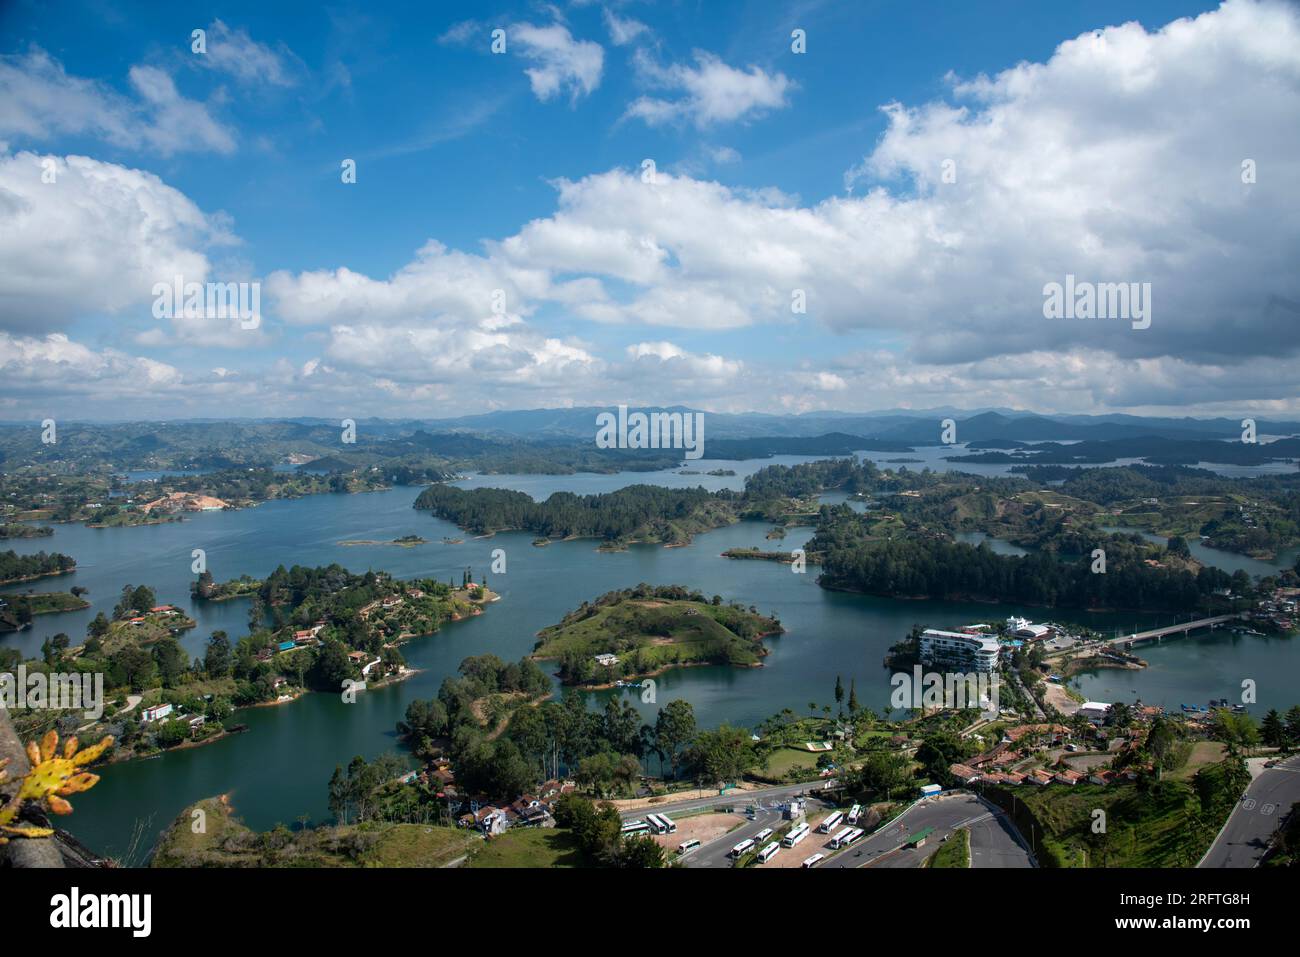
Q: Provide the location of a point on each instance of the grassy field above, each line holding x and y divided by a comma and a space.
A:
530, 847
225, 842
785, 760
1203, 754
954, 853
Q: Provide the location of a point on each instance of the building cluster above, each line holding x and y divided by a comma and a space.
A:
527, 810
1017, 758
1280, 609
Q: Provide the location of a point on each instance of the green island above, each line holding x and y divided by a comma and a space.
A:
23, 530
406, 541
311, 629
22, 568
17, 611
642, 631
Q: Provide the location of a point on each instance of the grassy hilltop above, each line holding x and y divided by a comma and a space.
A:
650, 629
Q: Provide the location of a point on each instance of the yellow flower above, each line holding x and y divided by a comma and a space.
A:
52, 776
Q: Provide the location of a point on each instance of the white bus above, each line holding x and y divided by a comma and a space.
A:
656, 823
670, 826
769, 852
762, 835
814, 860
854, 813
635, 827
685, 847
826, 826
841, 839
740, 849
797, 834
856, 833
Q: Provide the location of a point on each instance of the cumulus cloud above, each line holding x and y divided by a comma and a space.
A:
94, 241
39, 100
561, 64
711, 92
55, 364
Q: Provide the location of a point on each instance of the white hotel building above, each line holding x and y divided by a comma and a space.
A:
977, 653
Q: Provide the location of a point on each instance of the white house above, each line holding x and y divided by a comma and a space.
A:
156, 713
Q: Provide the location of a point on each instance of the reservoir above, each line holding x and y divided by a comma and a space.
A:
279, 769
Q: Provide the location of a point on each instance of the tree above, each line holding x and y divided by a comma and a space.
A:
171, 660
331, 667
1273, 730
172, 733
853, 697
1293, 726
881, 774
674, 727
640, 852
721, 755
217, 656
839, 693
133, 667
98, 626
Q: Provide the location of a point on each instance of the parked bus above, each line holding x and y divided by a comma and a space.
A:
814, 860
740, 849
856, 833
797, 834
634, 827
826, 826
769, 852
854, 813
841, 839
670, 826
657, 825
762, 835
687, 846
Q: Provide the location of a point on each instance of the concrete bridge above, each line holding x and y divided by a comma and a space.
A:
1179, 629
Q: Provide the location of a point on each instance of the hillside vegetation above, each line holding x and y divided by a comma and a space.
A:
649, 629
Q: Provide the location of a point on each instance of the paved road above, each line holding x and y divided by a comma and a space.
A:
738, 799
1245, 835
994, 840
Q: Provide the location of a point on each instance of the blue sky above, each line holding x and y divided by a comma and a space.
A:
777, 171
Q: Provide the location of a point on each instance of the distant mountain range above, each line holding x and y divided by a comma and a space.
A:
894, 427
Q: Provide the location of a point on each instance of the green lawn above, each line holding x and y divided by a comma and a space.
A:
784, 760
530, 847
953, 853
419, 845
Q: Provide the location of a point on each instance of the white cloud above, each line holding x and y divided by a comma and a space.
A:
236, 53
93, 242
56, 364
665, 360
39, 100
561, 63
622, 30
712, 92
